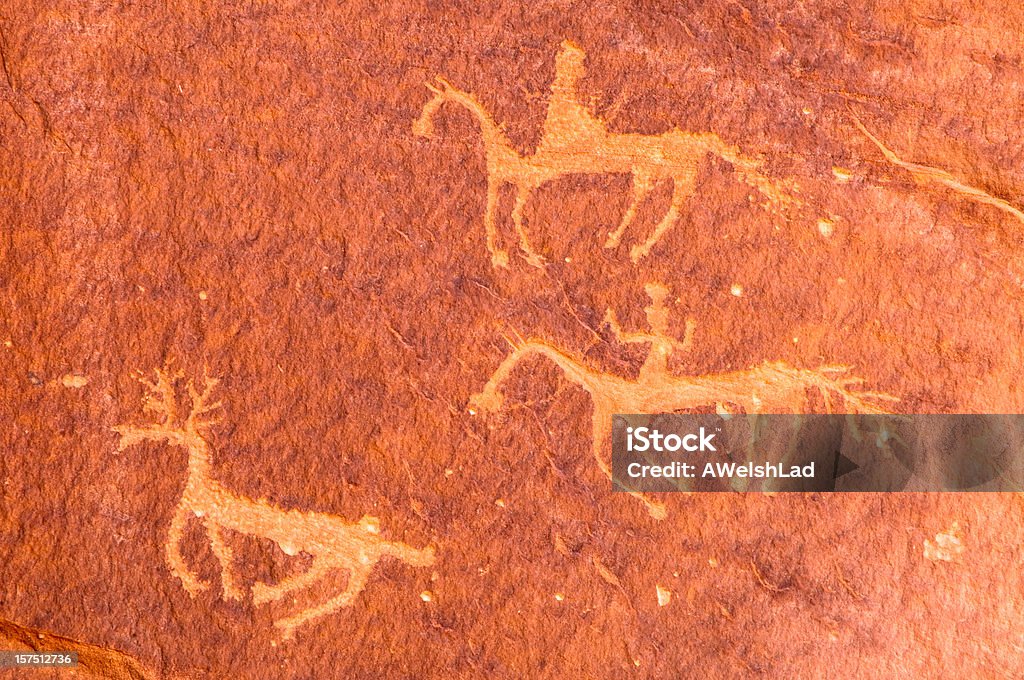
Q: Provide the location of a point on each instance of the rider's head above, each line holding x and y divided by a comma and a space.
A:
657, 312
569, 61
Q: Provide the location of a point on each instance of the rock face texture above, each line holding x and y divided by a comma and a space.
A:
354, 214
92, 661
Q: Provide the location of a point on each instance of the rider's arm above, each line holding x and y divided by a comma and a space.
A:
637, 337
625, 336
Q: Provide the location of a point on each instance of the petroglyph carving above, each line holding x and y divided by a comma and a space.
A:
333, 542
772, 387
947, 547
576, 142
925, 174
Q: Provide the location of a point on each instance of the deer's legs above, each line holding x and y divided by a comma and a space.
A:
499, 258
264, 592
522, 196
682, 187
175, 562
357, 577
642, 185
223, 554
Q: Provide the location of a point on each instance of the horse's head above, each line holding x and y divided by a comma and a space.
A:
424, 125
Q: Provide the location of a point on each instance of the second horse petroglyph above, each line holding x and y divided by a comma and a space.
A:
333, 542
772, 387
576, 142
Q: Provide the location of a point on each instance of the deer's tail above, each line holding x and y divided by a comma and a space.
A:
416, 557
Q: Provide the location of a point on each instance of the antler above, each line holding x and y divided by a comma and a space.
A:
160, 396
161, 399
199, 405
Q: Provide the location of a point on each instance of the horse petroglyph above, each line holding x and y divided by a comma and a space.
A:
575, 142
333, 542
772, 387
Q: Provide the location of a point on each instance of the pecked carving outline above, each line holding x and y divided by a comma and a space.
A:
772, 387
334, 542
573, 141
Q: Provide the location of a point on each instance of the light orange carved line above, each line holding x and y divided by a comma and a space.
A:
772, 387
924, 174
574, 141
333, 542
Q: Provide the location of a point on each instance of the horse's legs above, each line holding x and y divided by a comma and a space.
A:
522, 196
602, 444
191, 583
682, 187
642, 185
499, 258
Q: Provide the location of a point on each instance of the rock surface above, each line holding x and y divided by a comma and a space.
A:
239, 192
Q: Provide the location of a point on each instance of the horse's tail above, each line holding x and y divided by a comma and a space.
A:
781, 193
835, 384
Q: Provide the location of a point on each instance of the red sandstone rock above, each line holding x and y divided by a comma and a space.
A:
241, 189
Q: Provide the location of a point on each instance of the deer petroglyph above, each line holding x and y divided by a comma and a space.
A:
772, 387
576, 142
333, 542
